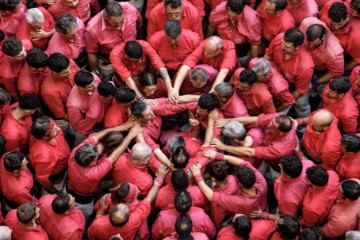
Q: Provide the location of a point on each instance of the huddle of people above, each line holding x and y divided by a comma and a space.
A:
180, 119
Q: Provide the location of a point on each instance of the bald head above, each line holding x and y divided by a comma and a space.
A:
5, 233
140, 151
323, 118
214, 42
119, 215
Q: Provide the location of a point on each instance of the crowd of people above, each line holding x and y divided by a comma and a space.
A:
180, 119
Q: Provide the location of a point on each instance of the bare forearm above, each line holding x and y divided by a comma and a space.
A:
180, 77
297, 94
220, 77
120, 149
188, 98
151, 196
165, 76
254, 51
131, 84
92, 59
206, 190
162, 157
325, 78
240, 151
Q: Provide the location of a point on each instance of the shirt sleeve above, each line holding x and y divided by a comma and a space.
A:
92, 43
99, 170
118, 64
195, 56
230, 58
155, 60
152, 28
55, 104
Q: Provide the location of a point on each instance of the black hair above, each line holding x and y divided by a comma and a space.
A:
133, 49
242, 226
106, 89
284, 122
124, 95
236, 6
65, 22
179, 179
248, 76
137, 108
83, 78
29, 102
315, 31
340, 85
289, 228
295, 36
183, 201
338, 12
36, 58
208, 101
113, 9
351, 143
13, 161
292, 166
218, 170
86, 154
351, 189
245, 176
58, 62
12, 46
173, 3
61, 203
317, 175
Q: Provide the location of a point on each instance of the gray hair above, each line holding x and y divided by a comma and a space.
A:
175, 142
34, 16
234, 130
262, 66
224, 90
199, 74
5, 233
352, 235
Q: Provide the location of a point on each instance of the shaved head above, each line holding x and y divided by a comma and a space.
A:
323, 117
214, 42
140, 151
119, 215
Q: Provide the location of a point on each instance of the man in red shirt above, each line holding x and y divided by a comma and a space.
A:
296, 64
174, 44
60, 218
339, 101
301, 9
37, 28
112, 26
5, 106
78, 8
182, 11
49, 154
17, 123
219, 54
24, 223
12, 13
349, 164
237, 22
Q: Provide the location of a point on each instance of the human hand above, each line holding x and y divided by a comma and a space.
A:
217, 143
211, 154
151, 102
103, 204
195, 169
173, 96
134, 131
162, 171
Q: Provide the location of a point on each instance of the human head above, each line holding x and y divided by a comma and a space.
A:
179, 179
288, 227
292, 41
86, 154
223, 92
338, 87
218, 170
180, 157
148, 84
262, 67
34, 18
44, 128
291, 166
247, 79
59, 64
172, 30
119, 215
206, 103
242, 225
111, 141
5, 233
234, 8
9, 7
349, 190
4, 99
27, 212
134, 51
62, 203
312, 233
198, 78
355, 7
273, 7
106, 89
213, 47
352, 235
234, 132
85, 81
183, 201
281, 124
142, 111
315, 35
141, 153
125, 192
321, 120
317, 176
67, 26
175, 142
173, 9
72, 3
125, 96
350, 143
15, 162
29, 104
245, 176
339, 17
113, 14
14, 48
37, 59
183, 224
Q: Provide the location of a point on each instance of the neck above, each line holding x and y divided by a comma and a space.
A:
251, 191
18, 114
30, 225
219, 184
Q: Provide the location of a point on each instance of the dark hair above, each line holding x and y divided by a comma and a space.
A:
83, 78
58, 62
355, 5
9, 5
65, 22
174, 142
110, 142
186, 237
12, 46
317, 175
218, 170
40, 126
312, 233
183, 224
180, 157
86, 154
106, 89
248, 76
208, 101
199, 74
29, 102
245, 176
340, 85
172, 28
351, 189
173, 3
112, 214
148, 79
315, 31
113, 9
26, 212
183, 201
351, 143
284, 122
338, 12
137, 108
295, 36
179, 179
235, 6
289, 228
224, 90
242, 226
279, 4
36, 58
133, 49
124, 95
292, 166
61, 203
2, 35
5, 97
13, 161
120, 193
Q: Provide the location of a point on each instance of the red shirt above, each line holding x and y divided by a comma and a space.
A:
67, 226
273, 25
17, 133
198, 4
49, 158
355, 88
195, 235
10, 69
160, 92
127, 68
275, 147
20, 232
346, 110
302, 10
188, 88
260, 230
10, 24
24, 30
318, 201
116, 115
324, 146
290, 192
71, 49
234, 107
164, 225
100, 37
172, 56
323, 13
247, 27
5, 110
298, 69
55, 90
190, 19
82, 11
85, 181
226, 59
102, 229
242, 202
84, 110
29, 81
125, 170
349, 166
